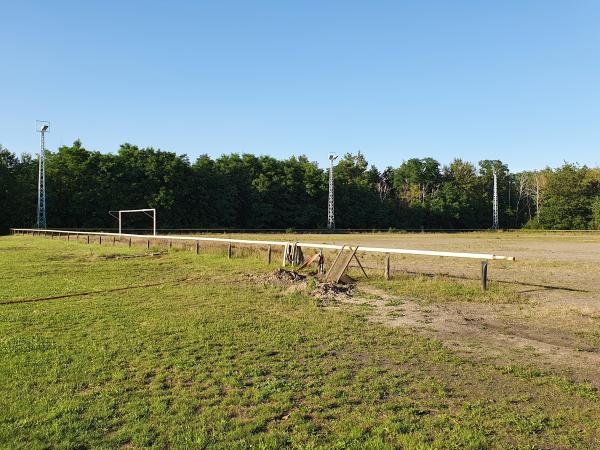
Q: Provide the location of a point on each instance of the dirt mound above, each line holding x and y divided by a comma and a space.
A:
282, 277
288, 275
332, 290
125, 256
325, 292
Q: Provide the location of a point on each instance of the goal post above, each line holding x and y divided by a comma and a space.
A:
150, 212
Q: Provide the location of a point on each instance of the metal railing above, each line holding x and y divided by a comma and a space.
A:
318, 246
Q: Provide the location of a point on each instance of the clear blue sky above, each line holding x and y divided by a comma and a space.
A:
515, 80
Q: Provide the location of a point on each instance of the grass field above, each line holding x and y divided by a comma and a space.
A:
178, 350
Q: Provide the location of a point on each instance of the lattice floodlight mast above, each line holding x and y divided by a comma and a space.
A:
145, 211
42, 127
495, 224
331, 202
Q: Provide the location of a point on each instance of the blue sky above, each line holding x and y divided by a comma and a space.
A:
514, 80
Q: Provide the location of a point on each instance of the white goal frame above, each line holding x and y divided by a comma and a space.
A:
145, 211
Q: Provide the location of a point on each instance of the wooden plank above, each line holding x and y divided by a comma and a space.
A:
309, 261
333, 264
338, 268
347, 263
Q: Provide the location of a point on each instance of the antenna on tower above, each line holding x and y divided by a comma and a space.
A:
330, 204
42, 127
495, 224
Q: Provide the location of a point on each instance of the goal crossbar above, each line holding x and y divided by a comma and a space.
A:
146, 211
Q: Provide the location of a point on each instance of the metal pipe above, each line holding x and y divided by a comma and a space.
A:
484, 256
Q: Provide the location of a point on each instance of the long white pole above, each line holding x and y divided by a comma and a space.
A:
154, 221
314, 245
119, 222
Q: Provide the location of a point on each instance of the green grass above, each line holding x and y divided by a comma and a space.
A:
210, 358
441, 289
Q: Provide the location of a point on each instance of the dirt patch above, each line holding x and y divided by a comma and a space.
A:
282, 276
554, 331
114, 256
61, 257
326, 292
124, 256
330, 293
494, 333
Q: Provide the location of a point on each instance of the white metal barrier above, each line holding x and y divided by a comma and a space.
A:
382, 250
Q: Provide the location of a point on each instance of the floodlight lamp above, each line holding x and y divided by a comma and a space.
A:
332, 156
42, 126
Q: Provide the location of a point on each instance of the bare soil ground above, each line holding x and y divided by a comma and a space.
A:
555, 328
495, 333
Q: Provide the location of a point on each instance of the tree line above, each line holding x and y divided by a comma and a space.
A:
260, 192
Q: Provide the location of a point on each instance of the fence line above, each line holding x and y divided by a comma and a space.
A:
318, 246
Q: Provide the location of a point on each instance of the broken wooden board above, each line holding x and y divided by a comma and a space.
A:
340, 265
309, 261
337, 271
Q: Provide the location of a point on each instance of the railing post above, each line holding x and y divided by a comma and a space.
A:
129, 242
386, 272
100, 239
88, 238
321, 262
484, 273
269, 255
197, 247
229, 251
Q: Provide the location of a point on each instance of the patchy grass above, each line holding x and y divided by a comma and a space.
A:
441, 289
205, 357
586, 390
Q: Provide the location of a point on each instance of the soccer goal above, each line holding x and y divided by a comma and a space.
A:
150, 212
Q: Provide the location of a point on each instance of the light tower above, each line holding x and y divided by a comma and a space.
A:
42, 127
495, 224
330, 204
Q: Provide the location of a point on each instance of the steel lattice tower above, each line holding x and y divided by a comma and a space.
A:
43, 127
495, 224
331, 202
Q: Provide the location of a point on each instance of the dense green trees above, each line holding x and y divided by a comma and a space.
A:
18, 189
260, 192
569, 199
